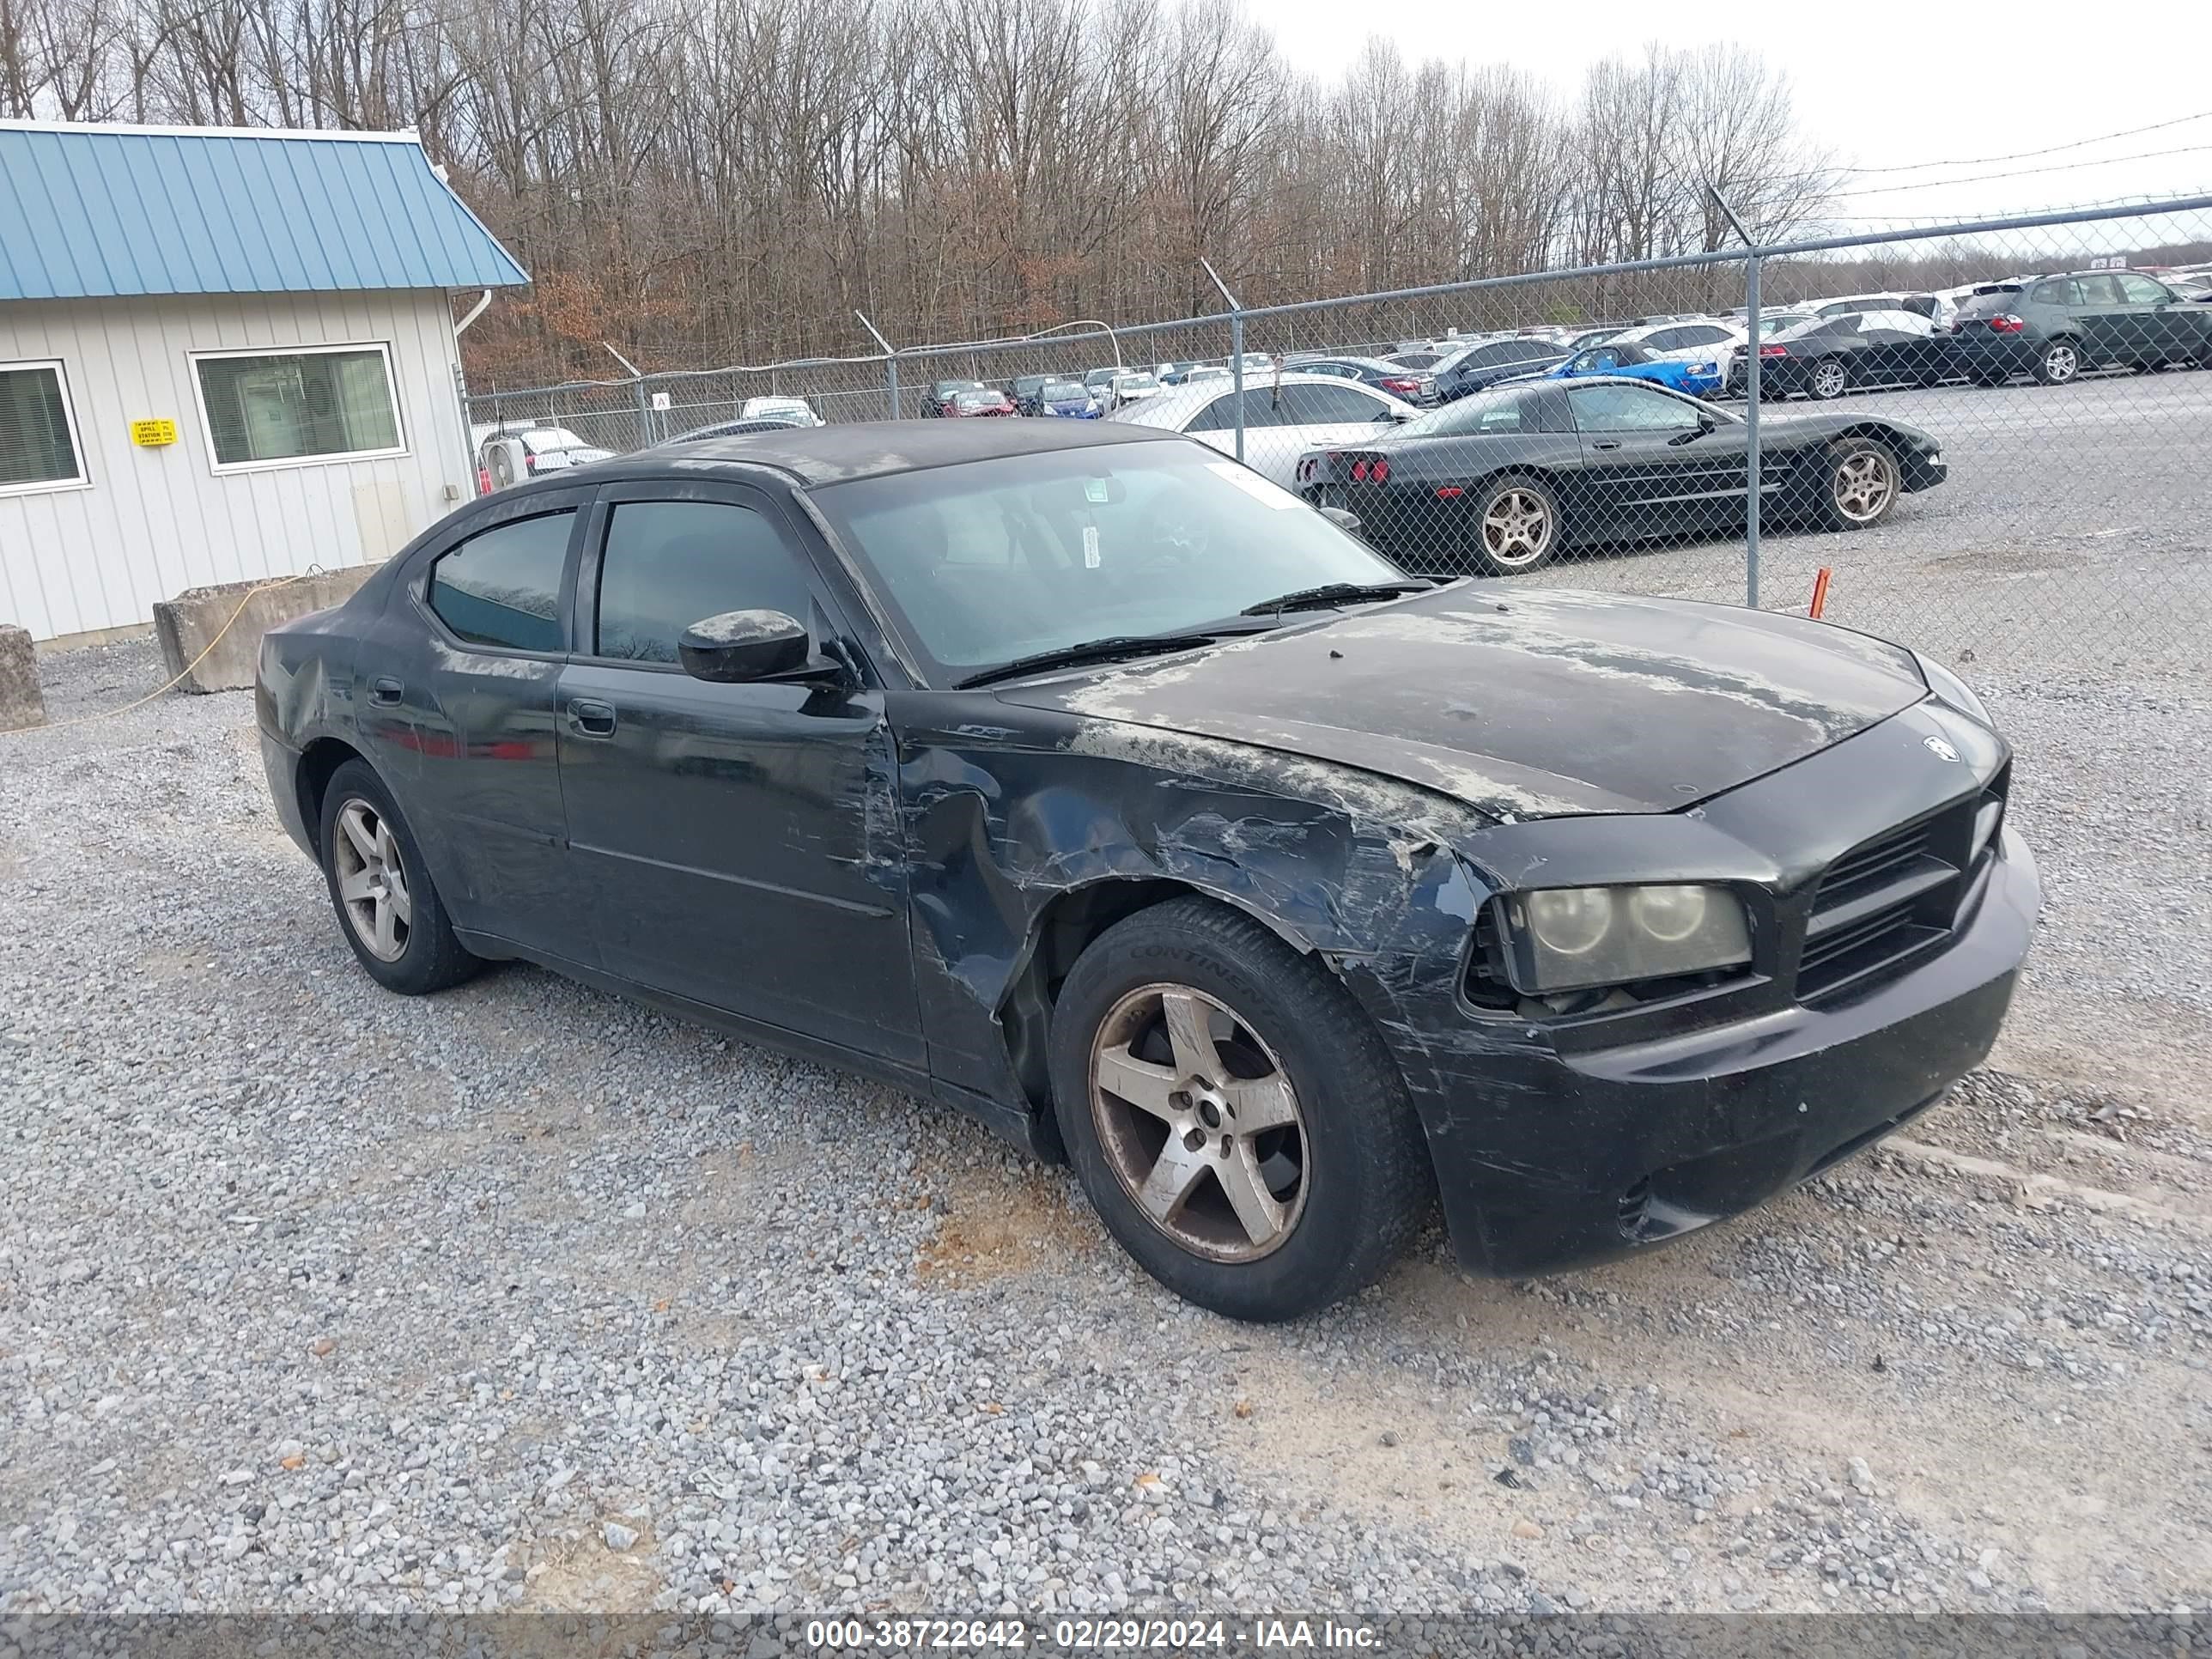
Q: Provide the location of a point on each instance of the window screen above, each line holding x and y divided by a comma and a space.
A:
502, 585
299, 405
669, 564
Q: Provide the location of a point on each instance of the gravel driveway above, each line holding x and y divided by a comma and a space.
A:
316, 1298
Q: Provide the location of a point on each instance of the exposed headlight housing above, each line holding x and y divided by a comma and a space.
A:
1953, 692
1570, 938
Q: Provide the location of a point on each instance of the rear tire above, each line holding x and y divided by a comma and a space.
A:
1516, 527
1207, 1016
1859, 484
387, 906
2058, 363
1827, 379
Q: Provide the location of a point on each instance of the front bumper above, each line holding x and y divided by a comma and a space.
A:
1555, 1147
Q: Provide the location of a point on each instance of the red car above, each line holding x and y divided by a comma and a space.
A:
980, 400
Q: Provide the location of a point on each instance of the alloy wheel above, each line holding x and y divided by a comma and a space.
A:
1516, 530
2060, 363
1864, 485
1829, 380
1200, 1123
372, 880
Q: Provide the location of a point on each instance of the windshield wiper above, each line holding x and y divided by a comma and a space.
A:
1109, 649
1334, 594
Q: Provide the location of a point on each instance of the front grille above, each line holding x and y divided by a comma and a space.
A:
1897, 895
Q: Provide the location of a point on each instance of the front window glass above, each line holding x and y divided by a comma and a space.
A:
299, 405
669, 564
999, 559
1631, 409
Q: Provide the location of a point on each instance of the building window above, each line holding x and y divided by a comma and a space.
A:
311, 404
39, 447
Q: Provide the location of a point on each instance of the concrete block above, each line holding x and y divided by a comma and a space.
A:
190, 624
21, 703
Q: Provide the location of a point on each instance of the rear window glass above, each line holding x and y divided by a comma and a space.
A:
502, 585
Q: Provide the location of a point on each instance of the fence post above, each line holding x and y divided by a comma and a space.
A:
1236, 351
1751, 433
1754, 469
891, 361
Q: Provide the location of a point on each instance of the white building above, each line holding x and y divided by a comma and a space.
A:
224, 354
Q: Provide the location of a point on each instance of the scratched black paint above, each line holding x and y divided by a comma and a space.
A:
891, 875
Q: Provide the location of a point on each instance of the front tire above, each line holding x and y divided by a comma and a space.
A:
1860, 482
388, 908
1232, 1114
1517, 526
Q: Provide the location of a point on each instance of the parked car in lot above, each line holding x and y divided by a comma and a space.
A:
542, 448
1414, 386
1850, 351
937, 402
1699, 379
729, 429
1502, 482
791, 412
1024, 389
1736, 362
1066, 400
1282, 420
1471, 368
1598, 336
1074, 778
972, 401
2057, 326
1935, 307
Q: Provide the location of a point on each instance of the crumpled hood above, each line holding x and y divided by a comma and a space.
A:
1524, 704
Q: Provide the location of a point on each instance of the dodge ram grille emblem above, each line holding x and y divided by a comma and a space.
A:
1940, 749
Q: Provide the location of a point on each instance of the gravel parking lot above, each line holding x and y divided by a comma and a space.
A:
312, 1298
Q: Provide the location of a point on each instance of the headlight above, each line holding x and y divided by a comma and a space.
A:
1954, 692
1566, 938
1704, 369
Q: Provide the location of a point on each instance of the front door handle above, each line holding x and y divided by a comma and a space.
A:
1605, 443
590, 718
386, 691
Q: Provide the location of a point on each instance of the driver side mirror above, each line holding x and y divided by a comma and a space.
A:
739, 646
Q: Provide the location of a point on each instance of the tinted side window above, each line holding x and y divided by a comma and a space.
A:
1630, 409
502, 585
1218, 416
1327, 405
2141, 290
2097, 290
669, 564
2063, 292
1666, 339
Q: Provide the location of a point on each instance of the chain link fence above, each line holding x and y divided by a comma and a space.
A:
1990, 440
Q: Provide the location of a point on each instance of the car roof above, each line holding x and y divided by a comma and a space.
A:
817, 455
1171, 404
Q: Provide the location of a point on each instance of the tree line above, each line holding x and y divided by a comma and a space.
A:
730, 180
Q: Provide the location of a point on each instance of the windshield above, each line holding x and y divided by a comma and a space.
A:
994, 560
1061, 391
1135, 383
549, 440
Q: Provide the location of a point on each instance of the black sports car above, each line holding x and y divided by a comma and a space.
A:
1503, 482
1076, 776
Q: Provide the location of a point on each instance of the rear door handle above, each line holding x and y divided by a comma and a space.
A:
385, 691
1605, 443
591, 719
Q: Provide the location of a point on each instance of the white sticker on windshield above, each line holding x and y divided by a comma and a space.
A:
1094, 490
1090, 547
1254, 485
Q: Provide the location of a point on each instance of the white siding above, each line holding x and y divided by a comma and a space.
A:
156, 521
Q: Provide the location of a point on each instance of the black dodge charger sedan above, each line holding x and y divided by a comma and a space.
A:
1504, 480
1076, 776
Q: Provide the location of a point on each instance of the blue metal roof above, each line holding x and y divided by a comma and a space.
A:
91, 212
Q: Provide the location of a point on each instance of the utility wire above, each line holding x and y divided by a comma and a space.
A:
2023, 173
2030, 155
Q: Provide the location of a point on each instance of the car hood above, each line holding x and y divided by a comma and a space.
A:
1523, 703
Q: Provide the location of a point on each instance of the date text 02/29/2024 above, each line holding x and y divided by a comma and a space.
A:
1085, 1635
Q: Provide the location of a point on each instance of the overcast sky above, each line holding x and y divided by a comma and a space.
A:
1888, 86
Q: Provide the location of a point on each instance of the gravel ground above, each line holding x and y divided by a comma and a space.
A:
312, 1298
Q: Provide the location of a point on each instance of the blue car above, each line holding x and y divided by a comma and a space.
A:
1700, 378
1067, 400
